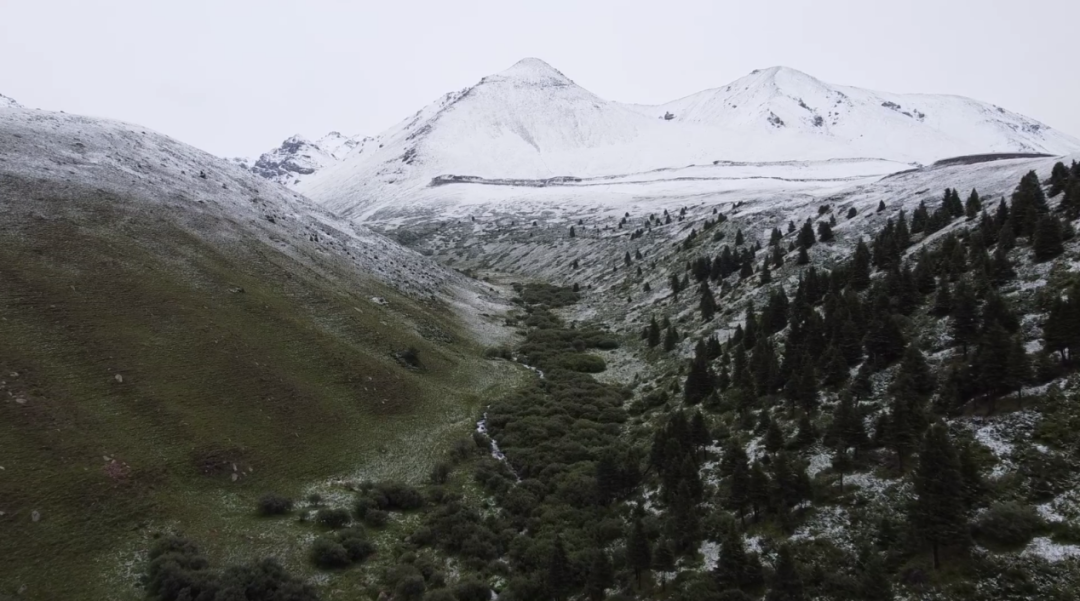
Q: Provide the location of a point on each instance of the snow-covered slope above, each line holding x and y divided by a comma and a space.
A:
6, 102
151, 174
531, 122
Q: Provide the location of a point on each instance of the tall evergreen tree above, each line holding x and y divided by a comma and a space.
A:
874, 584
671, 338
860, 267
964, 316
973, 205
653, 333
806, 235
938, 513
559, 576
1047, 240
825, 233
708, 303
1028, 205
638, 553
786, 584
601, 576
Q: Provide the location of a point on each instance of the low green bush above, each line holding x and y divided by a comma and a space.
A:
376, 518
272, 504
332, 518
1008, 524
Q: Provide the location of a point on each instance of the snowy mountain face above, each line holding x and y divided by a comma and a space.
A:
297, 157
6, 102
532, 126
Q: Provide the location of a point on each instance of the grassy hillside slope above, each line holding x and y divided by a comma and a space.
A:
162, 364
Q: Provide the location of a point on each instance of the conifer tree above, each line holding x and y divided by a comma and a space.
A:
638, 553
758, 493
653, 333
572, 233
1059, 177
699, 381
803, 258
806, 235
739, 239
1070, 201
1047, 240
963, 317
601, 576
663, 559
806, 435
735, 569
874, 584
860, 267
671, 338
1028, 205
559, 577
881, 206
938, 514
943, 301
902, 433
847, 427
786, 583
825, 233
676, 285
1001, 268
884, 342
765, 275
774, 437
973, 205
708, 303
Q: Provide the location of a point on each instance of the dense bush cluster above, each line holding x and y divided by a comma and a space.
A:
272, 504
342, 549
177, 571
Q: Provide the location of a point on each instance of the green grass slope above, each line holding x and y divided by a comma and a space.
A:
151, 376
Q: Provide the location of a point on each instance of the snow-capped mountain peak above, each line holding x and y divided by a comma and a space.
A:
529, 72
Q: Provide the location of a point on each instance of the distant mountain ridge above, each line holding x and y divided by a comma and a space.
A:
532, 122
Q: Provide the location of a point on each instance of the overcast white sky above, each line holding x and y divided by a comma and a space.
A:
235, 77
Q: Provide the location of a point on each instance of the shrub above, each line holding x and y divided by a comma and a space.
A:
327, 553
1009, 524
332, 518
272, 504
440, 473
397, 496
472, 590
358, 548
376, 518
590, 364
440, 594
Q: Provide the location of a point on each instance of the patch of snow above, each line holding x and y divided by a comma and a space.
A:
1050, 551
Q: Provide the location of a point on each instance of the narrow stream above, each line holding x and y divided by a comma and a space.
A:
481, 427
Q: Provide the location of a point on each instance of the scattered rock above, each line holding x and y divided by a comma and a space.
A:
119, 378
35, 516
235, 477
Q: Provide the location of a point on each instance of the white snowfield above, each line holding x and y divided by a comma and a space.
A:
151, 174
530, 123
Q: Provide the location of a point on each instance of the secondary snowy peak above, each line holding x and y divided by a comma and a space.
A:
298, 157
6, 102
919, 127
